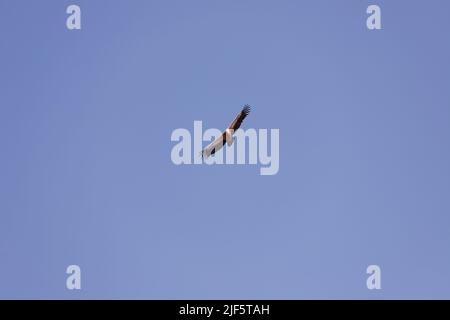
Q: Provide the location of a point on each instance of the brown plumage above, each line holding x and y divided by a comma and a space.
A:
227, 135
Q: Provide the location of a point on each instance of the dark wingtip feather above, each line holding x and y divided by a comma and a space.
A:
246, 110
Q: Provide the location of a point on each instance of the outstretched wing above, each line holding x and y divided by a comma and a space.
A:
240, 117
217, 144
214, 146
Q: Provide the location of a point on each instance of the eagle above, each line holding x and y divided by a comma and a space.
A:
227, 135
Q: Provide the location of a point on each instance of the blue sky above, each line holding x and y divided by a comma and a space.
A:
85, 170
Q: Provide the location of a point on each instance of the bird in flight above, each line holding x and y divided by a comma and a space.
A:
227, 135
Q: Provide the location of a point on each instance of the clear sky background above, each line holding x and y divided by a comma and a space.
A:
86, 176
